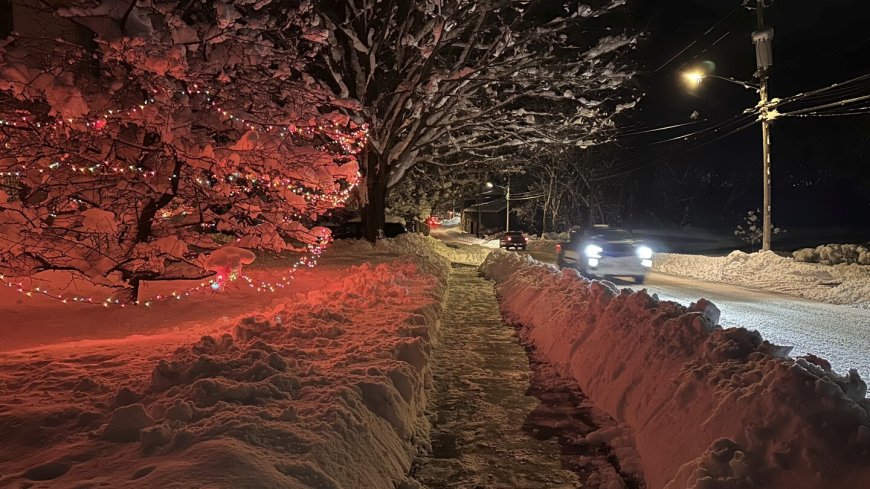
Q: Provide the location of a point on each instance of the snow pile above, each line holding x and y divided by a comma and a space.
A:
709, 407
835, 254
228, 260
328, 389
453, 221
838, 284
542, 245
563, 236
413, 244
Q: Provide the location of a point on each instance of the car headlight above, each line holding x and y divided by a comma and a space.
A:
593, 250
644, 252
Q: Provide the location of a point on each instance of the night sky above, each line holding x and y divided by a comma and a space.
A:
821, 165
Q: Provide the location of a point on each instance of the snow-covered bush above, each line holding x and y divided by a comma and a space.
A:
835, 254
751, 230
147, 132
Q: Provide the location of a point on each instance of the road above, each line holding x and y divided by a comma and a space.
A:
840, 334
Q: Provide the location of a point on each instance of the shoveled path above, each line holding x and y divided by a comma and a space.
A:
497, 421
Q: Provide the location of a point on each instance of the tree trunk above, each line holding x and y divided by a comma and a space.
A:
374, 210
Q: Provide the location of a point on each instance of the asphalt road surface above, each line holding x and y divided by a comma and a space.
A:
841, 334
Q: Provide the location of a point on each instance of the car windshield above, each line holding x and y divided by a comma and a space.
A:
514, 233
611, 235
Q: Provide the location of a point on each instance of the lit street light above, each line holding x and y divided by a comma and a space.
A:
694, 79
763, 41
507, 198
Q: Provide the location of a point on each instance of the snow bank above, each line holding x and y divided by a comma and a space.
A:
328, 389
545, 245
835, 254
838, 284
413, 244
709, 407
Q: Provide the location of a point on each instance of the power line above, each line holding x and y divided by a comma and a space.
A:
835, 88
625, 167
857, 111
803, 60
749, 113
831, 105
689, 46
672, 156
662, 128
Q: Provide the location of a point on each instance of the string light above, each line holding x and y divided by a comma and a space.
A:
215, 284
351, 142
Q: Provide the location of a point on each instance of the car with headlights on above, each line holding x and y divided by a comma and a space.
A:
513, 239
604, 252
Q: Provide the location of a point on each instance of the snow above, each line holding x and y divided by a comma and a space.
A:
325, 386
847, 284
835, 254
708, 407
840, 334
228, 258
327, 382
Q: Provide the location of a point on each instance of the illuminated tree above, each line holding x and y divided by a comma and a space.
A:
137, 135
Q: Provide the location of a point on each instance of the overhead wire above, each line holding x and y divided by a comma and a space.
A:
627, 171
819, 96
723, 18
694, 141
839, 88
837, 104
804, 59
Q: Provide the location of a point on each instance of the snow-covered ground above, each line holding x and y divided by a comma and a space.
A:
837, 284
840, 334
835, 254
709, 407
325, 387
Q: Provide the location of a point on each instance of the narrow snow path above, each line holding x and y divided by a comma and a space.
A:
496, 420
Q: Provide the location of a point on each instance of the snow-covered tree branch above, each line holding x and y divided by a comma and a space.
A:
143, 134
460, 82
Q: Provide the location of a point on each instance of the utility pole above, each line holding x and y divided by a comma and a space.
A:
763, 40
507, 199
477, 230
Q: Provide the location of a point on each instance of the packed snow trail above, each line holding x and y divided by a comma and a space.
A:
496, 421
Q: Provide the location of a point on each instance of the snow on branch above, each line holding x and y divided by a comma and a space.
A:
148, 134
437, 77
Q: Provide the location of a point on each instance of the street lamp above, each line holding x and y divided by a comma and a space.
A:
694, 78
762, 38
507, 198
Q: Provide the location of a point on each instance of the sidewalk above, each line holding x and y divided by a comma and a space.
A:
496, 422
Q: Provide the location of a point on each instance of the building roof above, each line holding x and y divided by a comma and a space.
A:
491, 206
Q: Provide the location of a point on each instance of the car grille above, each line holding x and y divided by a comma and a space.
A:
619, 249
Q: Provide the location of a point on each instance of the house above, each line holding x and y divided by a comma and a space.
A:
484, 216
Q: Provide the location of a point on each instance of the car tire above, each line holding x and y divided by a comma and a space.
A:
639, 279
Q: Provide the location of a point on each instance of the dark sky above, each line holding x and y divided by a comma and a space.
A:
821, 165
